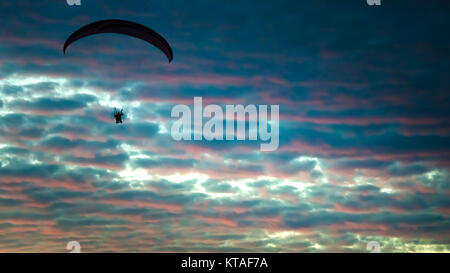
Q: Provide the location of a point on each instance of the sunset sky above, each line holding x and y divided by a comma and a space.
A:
364, 150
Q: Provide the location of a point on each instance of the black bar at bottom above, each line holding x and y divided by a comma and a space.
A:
224, 262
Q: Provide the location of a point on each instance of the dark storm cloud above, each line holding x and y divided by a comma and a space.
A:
15, 214
385, 143
164, 162
43, 87
217, 186
139, 195
15, 151
296, 166
367, 164
64, 143
406, 170
170, 187
11, 89
134, 130
53, 104
117, 160
326, 218
68, 223
24, 170
49, 195
10, 202
31, 132
11, 120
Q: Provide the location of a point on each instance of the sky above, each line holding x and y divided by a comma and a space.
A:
364, 133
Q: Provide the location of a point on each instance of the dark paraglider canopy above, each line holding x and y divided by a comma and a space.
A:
118, 115
122, 27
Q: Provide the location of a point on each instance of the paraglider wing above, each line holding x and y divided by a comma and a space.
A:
122, 27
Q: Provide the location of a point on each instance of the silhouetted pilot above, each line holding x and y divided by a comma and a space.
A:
118, 115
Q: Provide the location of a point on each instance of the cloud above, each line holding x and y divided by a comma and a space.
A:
52, 104
364, 138
11, 90
217, 186
164, 162
104, 161
405, 170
